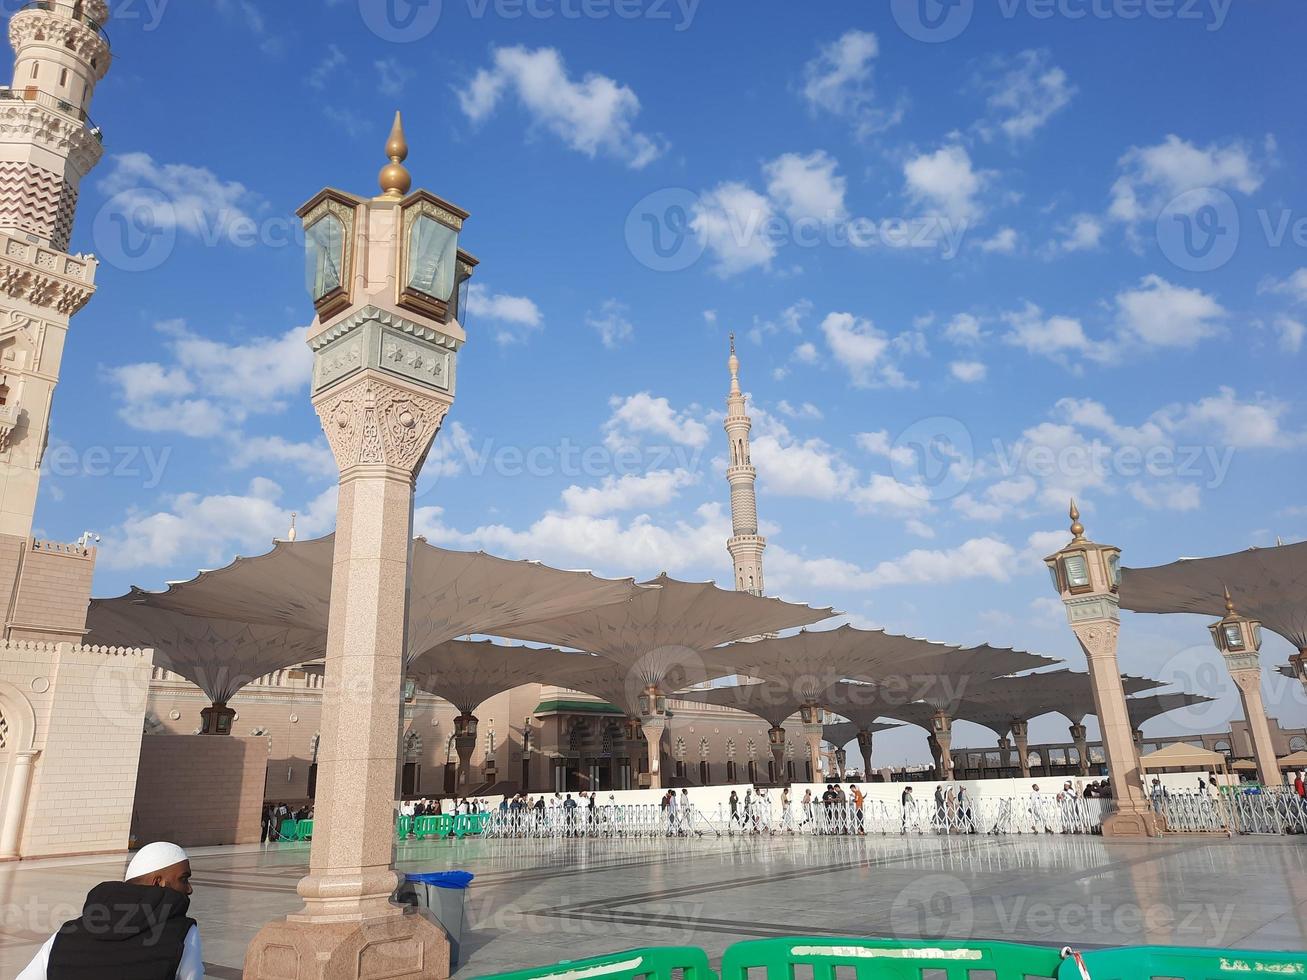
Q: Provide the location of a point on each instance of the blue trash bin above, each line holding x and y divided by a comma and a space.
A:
440, 893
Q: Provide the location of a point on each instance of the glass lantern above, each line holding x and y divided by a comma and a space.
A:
324, 257
432, 258
1075, 570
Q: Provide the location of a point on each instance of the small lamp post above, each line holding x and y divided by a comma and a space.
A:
941, 726
811, 714
1087, 576
1240, 640
653, 720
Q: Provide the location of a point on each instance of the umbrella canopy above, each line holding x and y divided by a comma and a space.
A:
841, 733
1181, 756
1267, 584
662, 635
219, 656
451, 593
467, 673
1153, 705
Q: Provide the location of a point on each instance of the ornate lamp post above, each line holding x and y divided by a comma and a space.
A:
465, 742
811, 714
653, 720
941, 726
776, 739
1086, 576
864, 743
1021, 738
1240, 640
385, 275
1080, 735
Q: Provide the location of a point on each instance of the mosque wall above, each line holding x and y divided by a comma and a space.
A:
85, 705
52, 590
200, 790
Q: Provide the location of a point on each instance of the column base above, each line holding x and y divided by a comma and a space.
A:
1133, 823
403, 945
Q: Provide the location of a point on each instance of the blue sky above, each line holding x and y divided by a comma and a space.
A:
1039, 248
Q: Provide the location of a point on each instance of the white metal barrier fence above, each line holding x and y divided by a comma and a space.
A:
1034, 814
1264, 811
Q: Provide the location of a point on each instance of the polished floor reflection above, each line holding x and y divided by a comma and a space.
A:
537, 902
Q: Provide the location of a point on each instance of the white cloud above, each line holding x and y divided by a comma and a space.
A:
884, 494
730, 221
1152, 176
392, 76
1159, 314
1169, 495
178, 196
1232, 423
800, 468
862, 350
592, 116
839, 81
1291, 333
879, 444
964, 329
807, 187
806, 411
314, 458
1294, 286
643, 414
968, 371
1082, 234
945, 183
1003, 242
604, 543
210, 387
1024, 97
611, 323
1054, 337
515, 317
333, 58
986, 557
210, 530
628, 492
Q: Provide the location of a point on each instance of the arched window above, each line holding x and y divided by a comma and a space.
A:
36, 68
63, 77
730, 748
4, 732
412, 747
680, 748
1222, 746
753, 749
704, 750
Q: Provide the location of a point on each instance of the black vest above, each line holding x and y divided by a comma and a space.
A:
125, 932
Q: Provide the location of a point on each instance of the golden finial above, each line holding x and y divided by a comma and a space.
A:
394, 178
1077, 529
290, 535
1229, 604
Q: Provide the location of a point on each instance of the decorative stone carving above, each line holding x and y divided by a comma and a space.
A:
371, 421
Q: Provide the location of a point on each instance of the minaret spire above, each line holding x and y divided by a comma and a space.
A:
745, 545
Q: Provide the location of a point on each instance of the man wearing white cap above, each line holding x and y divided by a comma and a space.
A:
135, 929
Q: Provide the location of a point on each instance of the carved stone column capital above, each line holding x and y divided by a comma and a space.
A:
1098, 638
372, 420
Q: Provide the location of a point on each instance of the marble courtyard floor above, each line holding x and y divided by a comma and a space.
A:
538, 902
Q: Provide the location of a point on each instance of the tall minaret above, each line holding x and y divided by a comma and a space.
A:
745, 545
47, 145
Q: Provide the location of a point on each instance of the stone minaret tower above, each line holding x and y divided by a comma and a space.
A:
47, 145
745, 545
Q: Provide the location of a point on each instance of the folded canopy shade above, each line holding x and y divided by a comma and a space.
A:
1267, 584
451, 593
1181, 756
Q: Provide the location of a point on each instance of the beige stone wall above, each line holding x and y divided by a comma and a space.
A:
52, 592
87, 703
200, 790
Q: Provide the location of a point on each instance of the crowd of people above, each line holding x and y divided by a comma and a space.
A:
275, 816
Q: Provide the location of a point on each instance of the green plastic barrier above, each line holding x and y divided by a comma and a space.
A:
288, 831
444, 825
890, 959
655, 964
1181, 963
469, 823
404, 827
304, 830
424, 827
